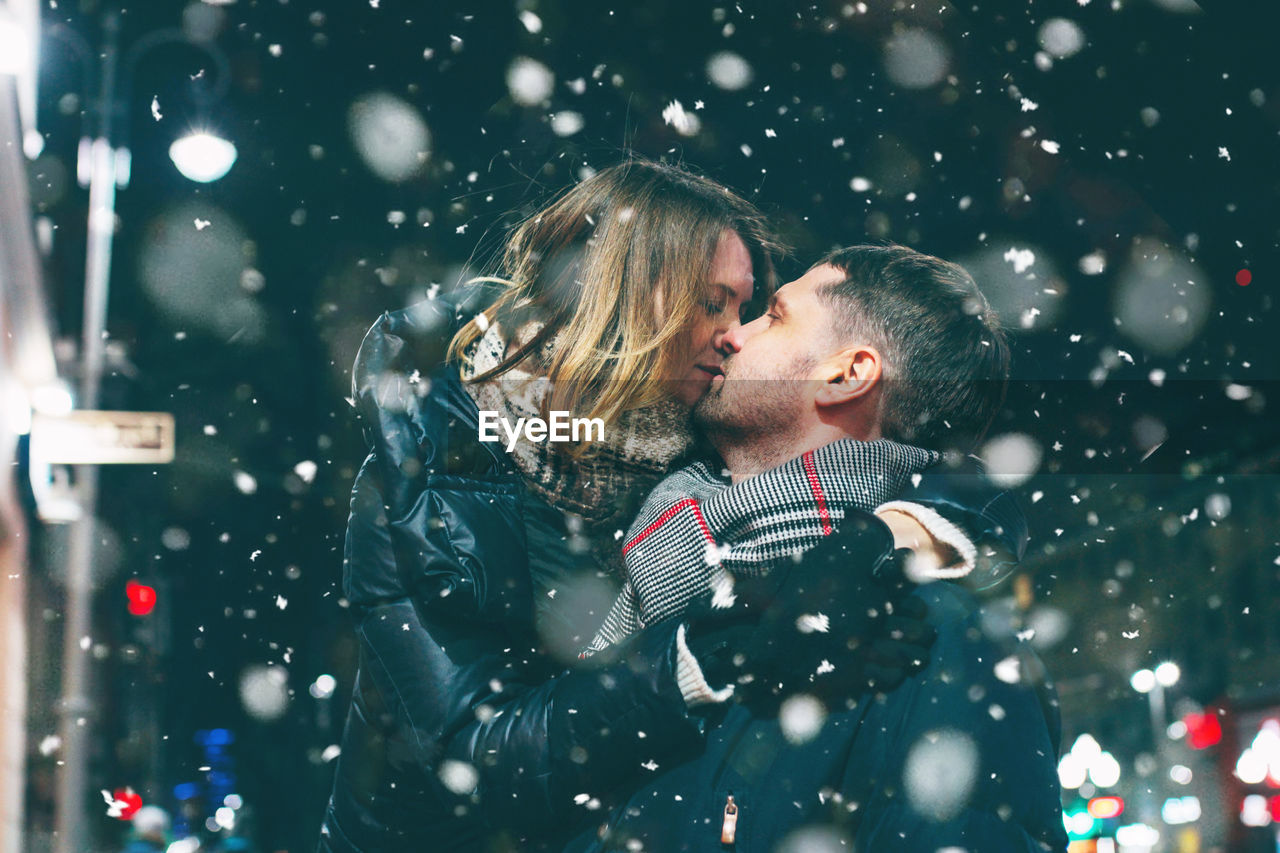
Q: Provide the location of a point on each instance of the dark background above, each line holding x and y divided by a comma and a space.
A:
1132, 546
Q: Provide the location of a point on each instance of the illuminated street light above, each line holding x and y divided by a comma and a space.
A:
15, 46
203, 157
1168, 674
1143, 681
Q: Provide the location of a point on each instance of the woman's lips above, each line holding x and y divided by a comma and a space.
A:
710, 370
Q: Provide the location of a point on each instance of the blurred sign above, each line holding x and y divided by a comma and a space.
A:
103, 438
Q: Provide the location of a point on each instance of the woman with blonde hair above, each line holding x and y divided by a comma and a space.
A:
477, 568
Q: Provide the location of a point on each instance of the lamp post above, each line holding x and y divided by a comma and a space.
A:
106, 163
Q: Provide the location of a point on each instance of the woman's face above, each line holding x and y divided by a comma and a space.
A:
728, 290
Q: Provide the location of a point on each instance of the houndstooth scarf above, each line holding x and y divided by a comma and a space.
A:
696, 531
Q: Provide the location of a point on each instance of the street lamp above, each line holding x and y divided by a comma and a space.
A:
104, 166
15, 47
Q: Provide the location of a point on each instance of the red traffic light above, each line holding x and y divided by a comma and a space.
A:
1203, 730
1103, 808
142, 598
122, 803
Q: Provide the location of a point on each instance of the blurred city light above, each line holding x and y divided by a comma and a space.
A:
203, 157
323, 687
15, 45
1078, 822
142, 598
1202, 730
1137, 836
1254, 811
1179, 810
1104, 808
1105, 772
1168, 674
53, 399
1143, 681
1261, 760
1072, 771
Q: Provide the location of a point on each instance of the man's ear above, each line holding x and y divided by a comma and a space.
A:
849, 375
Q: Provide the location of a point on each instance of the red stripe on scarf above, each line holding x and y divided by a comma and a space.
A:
811, 471
667, 516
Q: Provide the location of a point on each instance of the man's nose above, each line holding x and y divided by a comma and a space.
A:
723, 341
732, 340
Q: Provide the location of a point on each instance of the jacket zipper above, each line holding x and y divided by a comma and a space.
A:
729, 829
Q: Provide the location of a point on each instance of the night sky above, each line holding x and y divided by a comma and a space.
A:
1105, 169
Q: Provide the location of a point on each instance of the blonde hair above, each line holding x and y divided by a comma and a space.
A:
591, 267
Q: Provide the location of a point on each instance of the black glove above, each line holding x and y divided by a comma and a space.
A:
836, 624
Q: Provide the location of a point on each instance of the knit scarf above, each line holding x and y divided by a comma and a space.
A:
636, 452
697, 531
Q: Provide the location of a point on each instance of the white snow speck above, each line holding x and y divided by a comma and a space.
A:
729, 71
1223, 153
1061, 38
1094, 263
566, 123
1050, 146
1028, 105
801, 718
1012, 459
808, 623
685, 123
306, 469
1009, 670
459, 776
282, 602
529, 81
254, 556
1022, 259
940, 772
155, 108
859, 184
246, 482
202, 224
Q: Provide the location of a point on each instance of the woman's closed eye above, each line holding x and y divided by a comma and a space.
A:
714, 309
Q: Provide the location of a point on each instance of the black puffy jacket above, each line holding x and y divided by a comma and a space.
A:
961, 756
467, 730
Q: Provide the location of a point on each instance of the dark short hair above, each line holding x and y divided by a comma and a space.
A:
946, 356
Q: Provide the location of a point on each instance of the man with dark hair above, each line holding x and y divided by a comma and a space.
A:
875, 359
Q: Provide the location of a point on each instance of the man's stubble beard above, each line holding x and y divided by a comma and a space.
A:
742, 410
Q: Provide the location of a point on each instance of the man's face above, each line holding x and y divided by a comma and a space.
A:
766, 384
